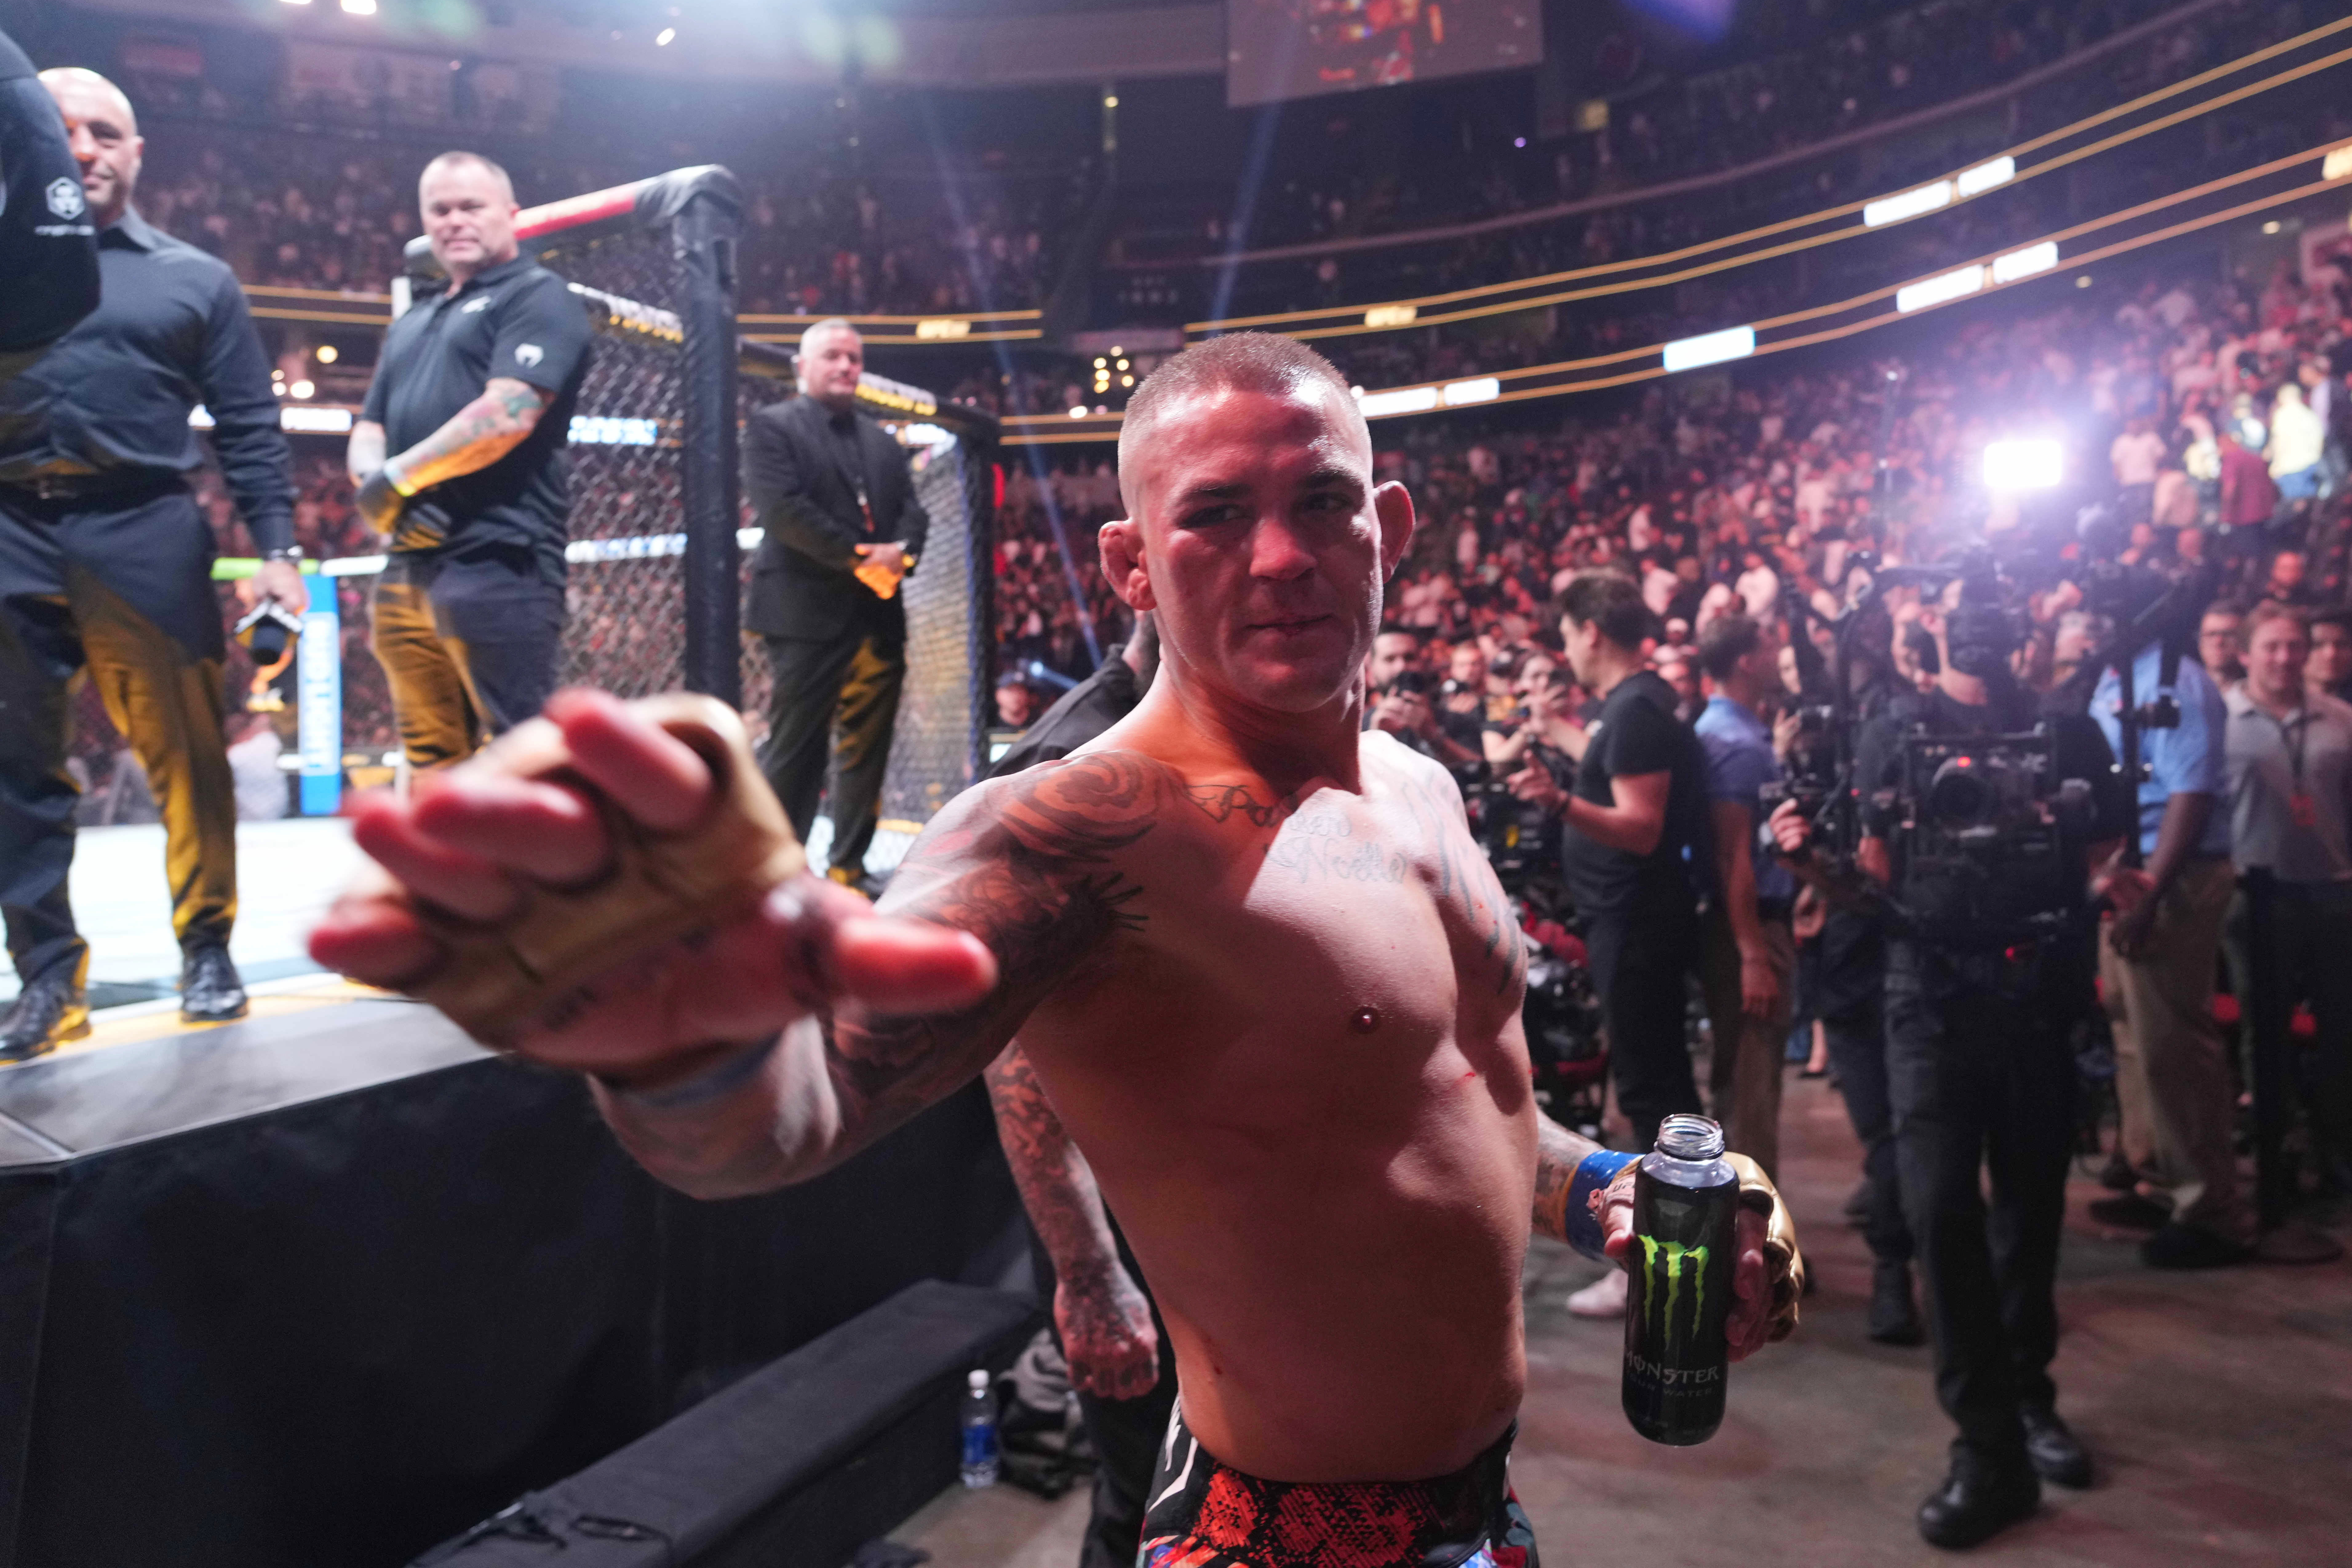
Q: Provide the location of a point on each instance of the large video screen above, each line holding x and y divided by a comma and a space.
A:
1296, 48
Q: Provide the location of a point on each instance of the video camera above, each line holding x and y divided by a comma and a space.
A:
1989, 836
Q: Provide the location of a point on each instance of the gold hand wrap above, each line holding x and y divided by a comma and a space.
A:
1782, 1259
495, 977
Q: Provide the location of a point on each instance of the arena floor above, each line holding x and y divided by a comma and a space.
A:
2219, 1407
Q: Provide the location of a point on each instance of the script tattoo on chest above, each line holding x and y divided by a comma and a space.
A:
1465, 878
1321, 842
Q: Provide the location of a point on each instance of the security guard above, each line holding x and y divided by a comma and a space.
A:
105, 561
1979, 991
843, 528
473, 398
48, 244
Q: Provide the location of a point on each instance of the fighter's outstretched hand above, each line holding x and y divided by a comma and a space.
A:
1768, 1279
586, 893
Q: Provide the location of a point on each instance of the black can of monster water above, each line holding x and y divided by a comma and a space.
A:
1678, 1298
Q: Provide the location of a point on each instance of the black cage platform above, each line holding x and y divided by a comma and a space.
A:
329, 1288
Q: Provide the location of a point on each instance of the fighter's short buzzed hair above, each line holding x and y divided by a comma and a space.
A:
1251, 362
461, 159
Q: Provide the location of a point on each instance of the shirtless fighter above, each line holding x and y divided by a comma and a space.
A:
1252, 954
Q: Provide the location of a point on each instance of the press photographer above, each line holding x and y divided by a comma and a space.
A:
1990, 831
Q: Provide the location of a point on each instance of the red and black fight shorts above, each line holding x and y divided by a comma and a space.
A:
1206, 1514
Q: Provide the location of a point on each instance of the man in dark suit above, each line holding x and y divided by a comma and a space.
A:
835, 495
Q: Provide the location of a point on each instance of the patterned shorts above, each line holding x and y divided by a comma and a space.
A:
1205, 1514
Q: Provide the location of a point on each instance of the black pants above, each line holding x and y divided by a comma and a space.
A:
1857, 1041
1980, 1078
469, 647
120, 586
850, 686
1642, 957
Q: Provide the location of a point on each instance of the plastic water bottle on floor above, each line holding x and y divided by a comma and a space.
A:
979, 1431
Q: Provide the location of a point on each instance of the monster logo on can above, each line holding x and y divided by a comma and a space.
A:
1678, 1352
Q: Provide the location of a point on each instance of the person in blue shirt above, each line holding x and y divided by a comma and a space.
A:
2157, 965
1749, 961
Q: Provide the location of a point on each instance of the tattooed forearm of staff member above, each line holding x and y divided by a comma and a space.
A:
1104, 1319
476, 437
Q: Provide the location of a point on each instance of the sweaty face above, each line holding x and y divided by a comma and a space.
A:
1260, 541
105, 140
2274, 656
469, 216
830, 366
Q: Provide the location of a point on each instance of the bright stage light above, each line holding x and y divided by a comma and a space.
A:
2025, 263
1909, 204
2036, 463
359, 7
1985, 176
1937, 291
1710, 348
662, 39
1481, 389
1404, 400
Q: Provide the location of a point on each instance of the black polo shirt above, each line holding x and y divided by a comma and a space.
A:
48, 252
107, 406
519, 320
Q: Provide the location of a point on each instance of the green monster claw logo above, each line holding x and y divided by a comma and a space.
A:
1654, 1300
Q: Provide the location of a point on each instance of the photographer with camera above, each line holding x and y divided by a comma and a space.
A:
2157, 965
1990, 889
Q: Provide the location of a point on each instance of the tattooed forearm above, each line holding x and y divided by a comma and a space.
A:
1058, 1187
1558, 1153
476, 435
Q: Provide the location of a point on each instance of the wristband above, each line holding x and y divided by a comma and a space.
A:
1586, 1198
284, 552
720, 1079
398, 482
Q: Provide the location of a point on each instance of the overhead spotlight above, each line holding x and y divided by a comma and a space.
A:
1123, 365
2084, 281
1126, 381
359, 7
1519, 141
278, 388
1102, 365
1077, 414
1116, 351
1110, 100
662, 39
294, 2
302, 389
2272, 227
327, 353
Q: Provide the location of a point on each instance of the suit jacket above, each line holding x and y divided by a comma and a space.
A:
802, 581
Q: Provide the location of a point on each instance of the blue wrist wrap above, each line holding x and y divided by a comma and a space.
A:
1593, 1174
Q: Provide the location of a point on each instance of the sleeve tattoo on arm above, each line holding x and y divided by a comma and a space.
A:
1035, 871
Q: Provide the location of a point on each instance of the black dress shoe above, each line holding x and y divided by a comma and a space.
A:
210, 990
1978, 1501
50, 1010
2118, 1176
1894, 1314
2185, 1247
2053, 1449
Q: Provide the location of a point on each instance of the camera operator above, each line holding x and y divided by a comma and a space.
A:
2157, 965
1636, 856
1980, 1067
1402, 708
1749, 955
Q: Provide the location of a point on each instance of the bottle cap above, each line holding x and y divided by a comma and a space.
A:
1689, 1138
978, 1381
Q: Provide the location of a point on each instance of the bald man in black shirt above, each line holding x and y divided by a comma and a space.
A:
106, 563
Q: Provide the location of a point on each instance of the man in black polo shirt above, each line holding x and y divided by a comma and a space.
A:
1637, 849
106, 563
48, 242
472, 399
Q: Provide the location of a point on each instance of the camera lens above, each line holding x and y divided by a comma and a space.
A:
1959, 793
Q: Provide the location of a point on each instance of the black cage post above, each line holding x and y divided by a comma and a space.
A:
711, 482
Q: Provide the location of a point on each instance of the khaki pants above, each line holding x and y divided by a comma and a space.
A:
2172, 1070
1745, 1076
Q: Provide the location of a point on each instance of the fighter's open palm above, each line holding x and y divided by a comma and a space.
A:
484, 844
